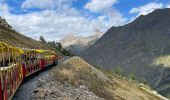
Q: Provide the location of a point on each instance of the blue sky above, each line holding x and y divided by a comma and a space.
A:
55, 19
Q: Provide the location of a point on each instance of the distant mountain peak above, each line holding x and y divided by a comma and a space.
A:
77, 44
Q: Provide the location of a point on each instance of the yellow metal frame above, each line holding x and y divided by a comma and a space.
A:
14, 55
10, 51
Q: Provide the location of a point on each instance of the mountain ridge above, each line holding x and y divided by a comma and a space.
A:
134, 47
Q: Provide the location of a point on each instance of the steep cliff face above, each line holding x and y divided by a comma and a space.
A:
141, 48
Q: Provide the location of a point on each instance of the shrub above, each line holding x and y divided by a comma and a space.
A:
119, 71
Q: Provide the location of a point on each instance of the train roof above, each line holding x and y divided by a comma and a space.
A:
23, 50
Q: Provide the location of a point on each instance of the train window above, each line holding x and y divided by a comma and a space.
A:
6, 59
10, 56
40, 56
23, 56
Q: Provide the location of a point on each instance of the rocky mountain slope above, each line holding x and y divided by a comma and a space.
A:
75, 79
141, 48
12, 37
77, 44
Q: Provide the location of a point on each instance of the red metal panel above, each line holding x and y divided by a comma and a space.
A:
42, 63
5, 88
23, 70
11, 83
1, 96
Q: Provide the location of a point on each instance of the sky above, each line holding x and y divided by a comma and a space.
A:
55, 19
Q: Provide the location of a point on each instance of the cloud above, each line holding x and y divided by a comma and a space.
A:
46, 4
145, 9
54, 26
56, 22
98, 5
49, 24
168, 6
105, 8
115, 18
4, 9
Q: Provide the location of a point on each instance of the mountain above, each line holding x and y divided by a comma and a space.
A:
140, 48
77, 44
12, 37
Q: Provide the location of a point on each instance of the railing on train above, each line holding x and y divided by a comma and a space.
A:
10, 69
19, 65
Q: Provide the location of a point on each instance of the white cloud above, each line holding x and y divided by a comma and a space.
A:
46, 4
115, 18
54, 24
49, 24
4, 9
104, 7
98, 5
145, 9
168, 6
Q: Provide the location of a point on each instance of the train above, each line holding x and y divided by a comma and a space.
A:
18, 63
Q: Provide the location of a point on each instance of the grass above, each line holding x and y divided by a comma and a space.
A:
104, 84
85, 75
163, 61
16, 39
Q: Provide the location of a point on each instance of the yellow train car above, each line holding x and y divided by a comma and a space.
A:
17, 63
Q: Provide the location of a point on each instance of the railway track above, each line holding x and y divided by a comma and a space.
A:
29, 84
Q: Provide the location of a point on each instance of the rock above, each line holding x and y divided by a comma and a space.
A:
35, 91
82, 87
65, 91
40, 82
40, 95
50, 92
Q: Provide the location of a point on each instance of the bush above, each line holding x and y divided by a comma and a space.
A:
119, 71
143, 80
132, 76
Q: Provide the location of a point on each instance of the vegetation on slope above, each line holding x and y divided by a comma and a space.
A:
16, 39
163, 61
109, 86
